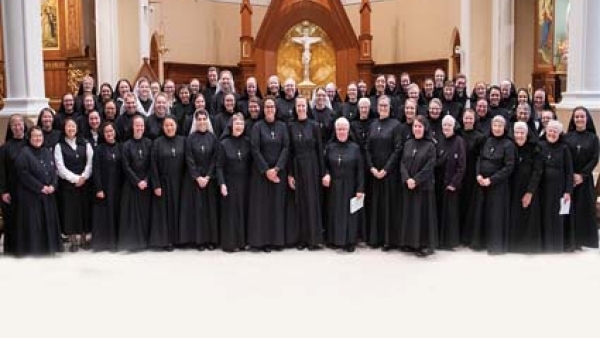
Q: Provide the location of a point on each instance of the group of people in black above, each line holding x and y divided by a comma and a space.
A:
156, 166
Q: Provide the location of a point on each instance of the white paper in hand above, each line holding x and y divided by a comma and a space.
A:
565, 207
356, 204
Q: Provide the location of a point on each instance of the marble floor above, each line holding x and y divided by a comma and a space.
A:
301, 294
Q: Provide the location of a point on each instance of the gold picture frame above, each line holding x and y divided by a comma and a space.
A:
50, 17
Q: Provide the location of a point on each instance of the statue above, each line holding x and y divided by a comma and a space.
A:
306, 41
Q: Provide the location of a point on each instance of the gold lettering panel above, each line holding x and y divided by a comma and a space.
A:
291, 54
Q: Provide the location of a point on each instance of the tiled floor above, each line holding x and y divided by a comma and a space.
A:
301, 294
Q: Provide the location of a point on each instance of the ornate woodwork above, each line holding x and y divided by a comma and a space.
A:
329, 15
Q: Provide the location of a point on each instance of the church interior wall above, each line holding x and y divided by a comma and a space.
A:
206, 32
481, 42
524, 41
129, 39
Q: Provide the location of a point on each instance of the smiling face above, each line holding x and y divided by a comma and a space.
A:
47, 120
170, 127
497, 128
138, 127
380, 84
17, 126
418, 129
160, 106
109, 134
494, 97
270, 110
468, 120
552, 133
88, 103
448, 128
352, 92
94, 120
251, 87
144, 89
36, 138
580, 119
199, 102
229, 103
520, 135
301, 108
110, 111
70, 129
202, 122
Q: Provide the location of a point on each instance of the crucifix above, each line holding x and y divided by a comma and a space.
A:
239, 154
578, 148
272, 135
339, 160
202, 148
173, 151
140, 153
306, 41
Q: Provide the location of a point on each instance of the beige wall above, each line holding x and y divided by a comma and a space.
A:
207, 32
408, 30
524, 41
481, 42
129, 45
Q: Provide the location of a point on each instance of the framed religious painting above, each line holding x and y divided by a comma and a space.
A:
50, 16
551, 35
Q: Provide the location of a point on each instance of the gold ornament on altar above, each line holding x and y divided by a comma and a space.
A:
307, 55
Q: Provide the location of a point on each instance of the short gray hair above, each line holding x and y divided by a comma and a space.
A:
449, 119
364, 101
555, 124
342, 121
521, 126
499, 118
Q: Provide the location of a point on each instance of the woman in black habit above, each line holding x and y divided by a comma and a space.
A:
199, 104
484, 118
251, 92
556, 184
107, 183
270, 148
343, 180
66, 110
419, 216
199, 216
184, 105
46, 122
106, 94
287, 102
109, 113
87, 87
143, 96
122, 87
349, 109
158, 112
525, 229
124, 122
449, 173
91, 128
73, 156
134, 217
322, 113
382, 151
168, 166
359, 129
13, 145
36, 231
222, 118
474, 140
583, 143
233, 173
435, 119
490, 208
306, 169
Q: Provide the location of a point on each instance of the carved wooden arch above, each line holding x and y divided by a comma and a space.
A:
455, 57
330, 15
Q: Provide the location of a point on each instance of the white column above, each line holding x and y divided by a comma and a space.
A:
144, 29
465, 38
107, 41
583, 77
23, 58
503, 37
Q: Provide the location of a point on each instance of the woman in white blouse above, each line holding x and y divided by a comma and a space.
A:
73, 157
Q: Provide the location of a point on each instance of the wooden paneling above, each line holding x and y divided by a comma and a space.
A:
182, 73
56, 79
418, 71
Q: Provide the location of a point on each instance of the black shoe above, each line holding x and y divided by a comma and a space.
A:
301, 246
314, 247
201, 247
211, 247
349, 248
277, 248
169, 248
423, 253
266, 249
